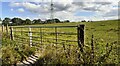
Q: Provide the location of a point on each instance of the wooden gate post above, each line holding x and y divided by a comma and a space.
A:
30, 36
80, 31
11, 33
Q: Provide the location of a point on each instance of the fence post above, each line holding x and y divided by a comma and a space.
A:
41, 34
92, 51
7, 29
11, 33
56, 34
80, 31
56, 38
30, 36
2, 28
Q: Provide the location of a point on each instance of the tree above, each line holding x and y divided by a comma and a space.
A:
66, 21
28, 21
37, 21
17, 21
83, 21
6, 21
53, 20
56, 20
23, 22
0, 19
34, 21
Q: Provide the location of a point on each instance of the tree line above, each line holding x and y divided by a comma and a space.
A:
19, 21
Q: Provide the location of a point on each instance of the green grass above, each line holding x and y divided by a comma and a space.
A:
14, 52
104, 32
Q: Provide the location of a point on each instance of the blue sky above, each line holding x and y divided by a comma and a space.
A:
74, 11
8, 11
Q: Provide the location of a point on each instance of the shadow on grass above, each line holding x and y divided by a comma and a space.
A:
43, 61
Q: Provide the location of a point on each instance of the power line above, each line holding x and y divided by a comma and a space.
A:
51, 10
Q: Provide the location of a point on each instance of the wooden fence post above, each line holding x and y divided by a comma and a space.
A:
2, 28
30, 36
92, 51
41, 35
81, 34
7, 29
56, 38
56, 35
80, 31
11, 33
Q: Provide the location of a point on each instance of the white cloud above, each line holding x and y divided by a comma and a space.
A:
66, 9
113, 12
15, 4
34, 8
20, 10
11, 9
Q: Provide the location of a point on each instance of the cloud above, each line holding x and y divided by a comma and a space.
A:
43, 8
103, 3
31, 7
113, 12
91, 6
91, 9
15, 4
61, 7
66, 9
11, 9
20, 10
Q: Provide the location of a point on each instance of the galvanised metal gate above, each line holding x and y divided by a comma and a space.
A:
66, 39
52, 34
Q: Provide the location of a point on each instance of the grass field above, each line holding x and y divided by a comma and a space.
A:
104, 33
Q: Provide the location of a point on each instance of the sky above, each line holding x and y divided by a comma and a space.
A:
73, 10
